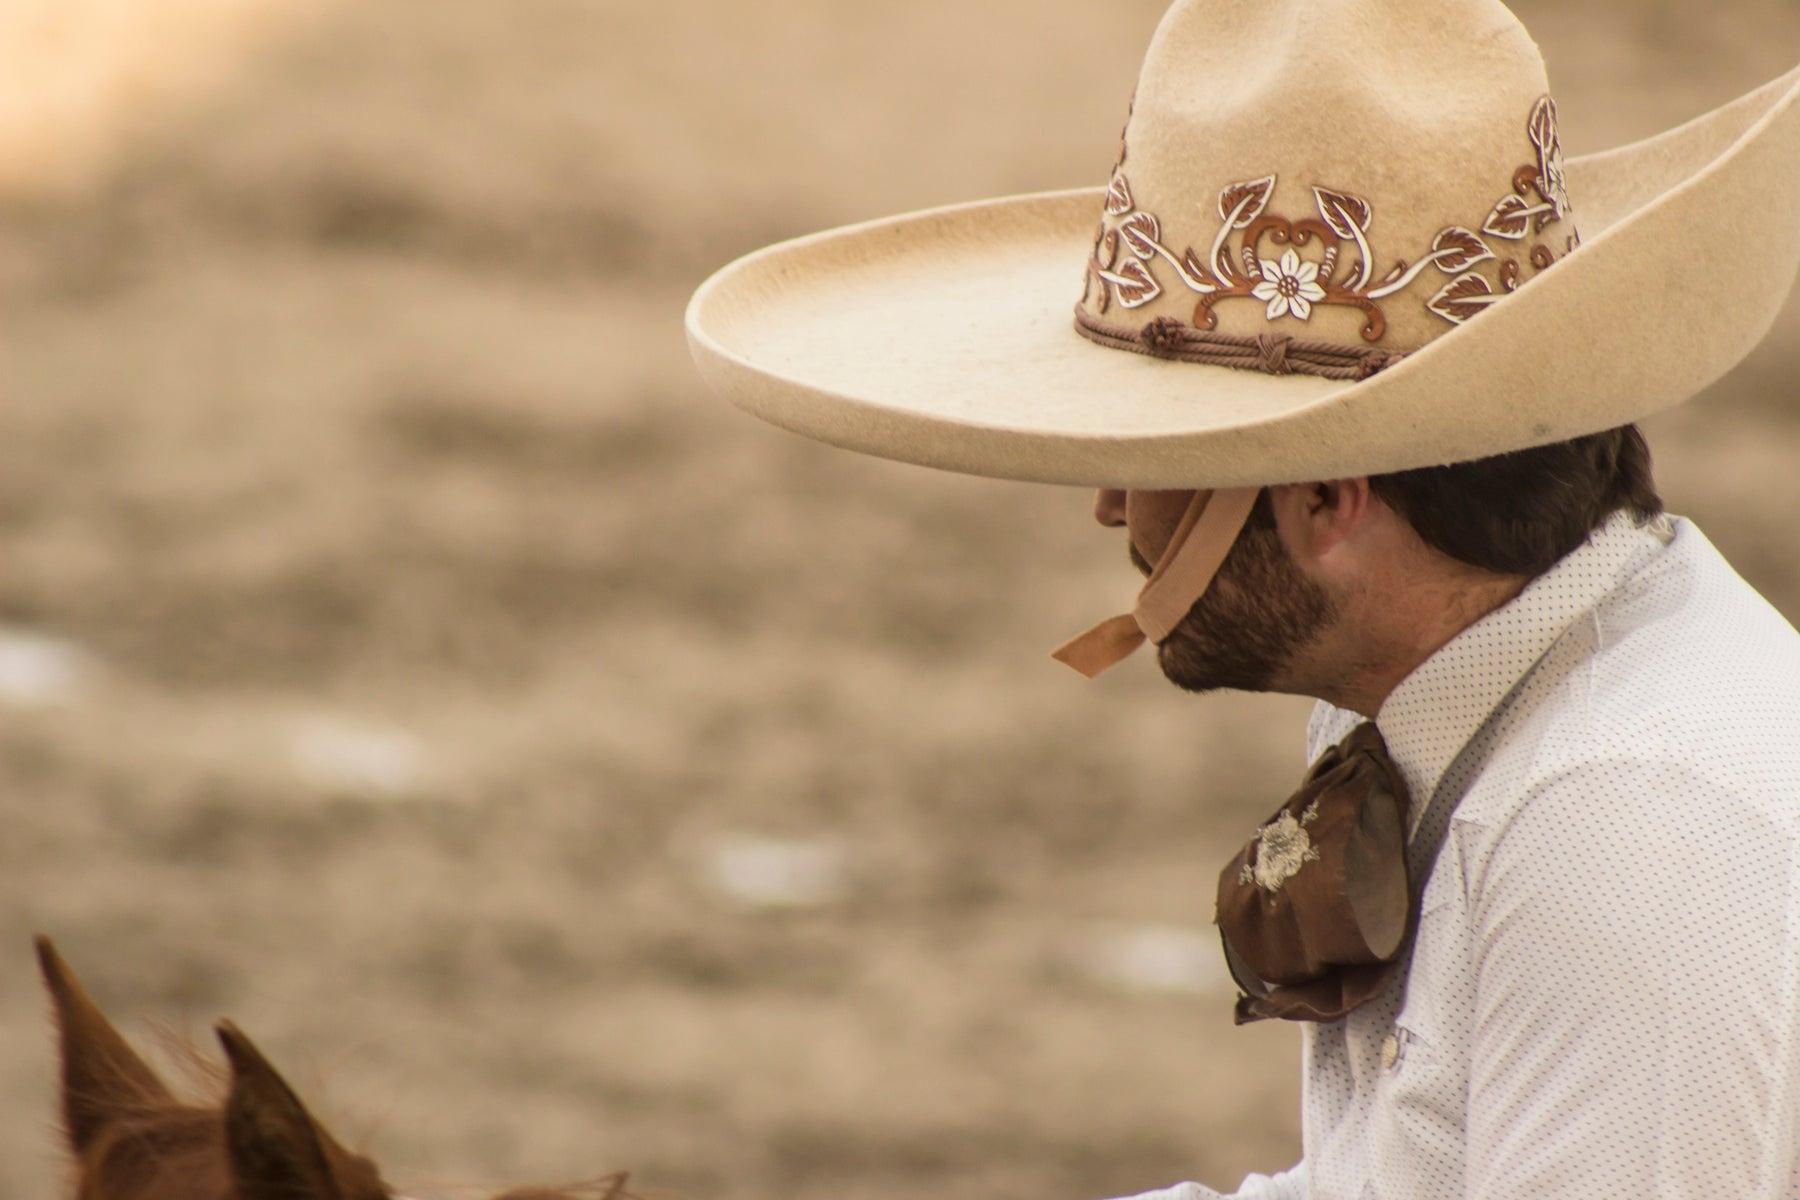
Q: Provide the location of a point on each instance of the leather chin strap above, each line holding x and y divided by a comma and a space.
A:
1193, 556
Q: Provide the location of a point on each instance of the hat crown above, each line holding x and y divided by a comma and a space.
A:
1362, 174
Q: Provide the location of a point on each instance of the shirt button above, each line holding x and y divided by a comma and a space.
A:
1390, 1052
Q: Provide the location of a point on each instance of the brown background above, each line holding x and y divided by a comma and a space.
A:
435, 639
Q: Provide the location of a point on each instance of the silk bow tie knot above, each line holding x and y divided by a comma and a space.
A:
1317, 908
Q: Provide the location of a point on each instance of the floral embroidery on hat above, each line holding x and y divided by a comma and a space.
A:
1289, 286
1282, 849
1242, 263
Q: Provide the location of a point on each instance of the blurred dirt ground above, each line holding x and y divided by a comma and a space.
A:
556, 771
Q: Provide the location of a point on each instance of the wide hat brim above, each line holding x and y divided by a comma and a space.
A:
945, 338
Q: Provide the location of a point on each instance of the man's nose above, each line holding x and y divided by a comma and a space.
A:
1109, 507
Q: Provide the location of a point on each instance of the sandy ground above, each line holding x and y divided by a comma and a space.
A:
557, 772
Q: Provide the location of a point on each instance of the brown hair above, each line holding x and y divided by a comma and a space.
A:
1517, 514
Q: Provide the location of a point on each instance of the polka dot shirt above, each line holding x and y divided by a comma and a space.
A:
1604, 994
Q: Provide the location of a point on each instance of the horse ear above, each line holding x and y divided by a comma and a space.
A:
275, 1149
103, 1079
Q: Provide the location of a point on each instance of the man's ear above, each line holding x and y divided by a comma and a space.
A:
1316, 518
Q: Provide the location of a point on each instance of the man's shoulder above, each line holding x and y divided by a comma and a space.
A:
1686, 585
1682, 679
1685, 639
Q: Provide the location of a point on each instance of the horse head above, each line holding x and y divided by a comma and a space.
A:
132, 1139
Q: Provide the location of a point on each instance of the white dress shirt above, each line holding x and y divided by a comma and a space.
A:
1604, 994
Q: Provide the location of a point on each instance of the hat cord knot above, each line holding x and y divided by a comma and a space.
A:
1374, 362
1274, 348
1163, 337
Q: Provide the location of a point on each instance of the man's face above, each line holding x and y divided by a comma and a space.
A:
1150, 518
1259, 613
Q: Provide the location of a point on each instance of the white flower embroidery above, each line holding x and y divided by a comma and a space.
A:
1289, 286
1282, 848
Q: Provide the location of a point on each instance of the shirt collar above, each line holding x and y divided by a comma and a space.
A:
1429, 718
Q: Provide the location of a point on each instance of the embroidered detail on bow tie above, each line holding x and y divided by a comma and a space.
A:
1282, 848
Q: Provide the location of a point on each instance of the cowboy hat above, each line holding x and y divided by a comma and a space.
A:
1341, 239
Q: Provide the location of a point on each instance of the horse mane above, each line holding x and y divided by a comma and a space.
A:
159, 1151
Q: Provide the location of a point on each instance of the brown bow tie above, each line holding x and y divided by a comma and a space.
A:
1316, 910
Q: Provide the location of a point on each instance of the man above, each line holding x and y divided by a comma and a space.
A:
1538, 900
1625, 849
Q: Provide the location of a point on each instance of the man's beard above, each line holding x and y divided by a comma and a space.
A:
1257, 615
